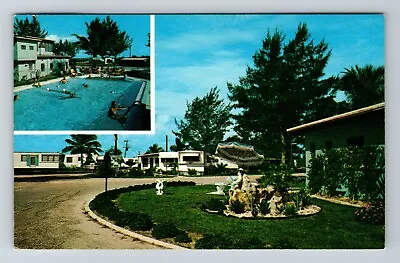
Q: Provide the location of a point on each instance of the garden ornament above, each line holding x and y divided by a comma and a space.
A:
159, 187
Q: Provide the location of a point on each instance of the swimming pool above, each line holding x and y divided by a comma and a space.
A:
48, 108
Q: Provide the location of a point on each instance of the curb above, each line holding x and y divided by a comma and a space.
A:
335, 201
128, 232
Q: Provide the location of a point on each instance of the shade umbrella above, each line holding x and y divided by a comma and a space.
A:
242, 154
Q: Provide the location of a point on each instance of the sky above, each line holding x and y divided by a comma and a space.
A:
64, 26
194, 53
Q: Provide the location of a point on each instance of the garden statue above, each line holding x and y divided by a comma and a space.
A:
242, 181
159, 187
275, 205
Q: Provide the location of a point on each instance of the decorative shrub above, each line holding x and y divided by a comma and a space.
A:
183, 237
373, 213
214, 241
217, 169
264, 207
214, 204
280, 177
165, 230
136, 172
356, 168
192, 172
301, 198
237, 207
290, 210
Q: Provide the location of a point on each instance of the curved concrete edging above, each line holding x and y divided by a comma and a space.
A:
336, 201
128, 232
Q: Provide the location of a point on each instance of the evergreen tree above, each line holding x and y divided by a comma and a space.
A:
282, 90
25, 27
205, 123
155, 149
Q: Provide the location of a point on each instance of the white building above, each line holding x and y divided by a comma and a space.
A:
166, 161
30, 160
33, 55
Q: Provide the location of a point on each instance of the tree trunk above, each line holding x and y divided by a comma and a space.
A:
283, 147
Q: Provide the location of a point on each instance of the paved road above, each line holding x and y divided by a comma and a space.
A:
49, 215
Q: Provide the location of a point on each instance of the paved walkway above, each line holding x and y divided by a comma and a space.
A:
50, 214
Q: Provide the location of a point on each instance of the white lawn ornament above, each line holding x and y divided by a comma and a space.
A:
159, 187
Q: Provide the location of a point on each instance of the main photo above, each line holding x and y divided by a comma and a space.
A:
269, 135
81, 72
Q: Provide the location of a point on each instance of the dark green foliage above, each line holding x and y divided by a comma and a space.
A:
221, 241
237, 207
136, 172
104, 38
361, 170
290, 210
316, 174
29, 28
155, 148
217, 169
373, 213
182, 237
192, 172
141, 221
363, 86
301, 198
264, 207
205, 122
283, 243
65, 48
165, 230
280, 177
285, 87
83, 143
214, 204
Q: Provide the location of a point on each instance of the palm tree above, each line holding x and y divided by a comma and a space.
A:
83, 143
363, 86
155, 149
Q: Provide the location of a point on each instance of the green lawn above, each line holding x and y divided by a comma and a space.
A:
334, 227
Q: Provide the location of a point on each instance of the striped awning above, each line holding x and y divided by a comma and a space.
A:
241, 154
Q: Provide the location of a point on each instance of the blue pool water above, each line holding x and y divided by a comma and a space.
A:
41, 109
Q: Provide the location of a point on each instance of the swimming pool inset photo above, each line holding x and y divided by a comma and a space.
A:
83, 104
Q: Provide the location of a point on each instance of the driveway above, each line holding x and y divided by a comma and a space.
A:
50, 215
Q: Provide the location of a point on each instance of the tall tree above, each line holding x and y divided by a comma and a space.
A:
26, 27
83, 143
104, 38
280, 90
205, 122
65, 48
155, 148
363, 86
178, 146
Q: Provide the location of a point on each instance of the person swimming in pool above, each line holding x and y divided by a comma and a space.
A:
112, 112
71, 96
63, 80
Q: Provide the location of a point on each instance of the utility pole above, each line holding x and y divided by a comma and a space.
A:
166, 143
126, 147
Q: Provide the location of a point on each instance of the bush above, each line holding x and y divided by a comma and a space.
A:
280, 178
264, 207
213, 241
214, 204
192, 172
217, 169
135, 172
316, 175
373, 213
183, 237
165, 230
237, 207
301, 198
290, 210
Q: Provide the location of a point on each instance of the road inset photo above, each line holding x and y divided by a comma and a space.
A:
82, 72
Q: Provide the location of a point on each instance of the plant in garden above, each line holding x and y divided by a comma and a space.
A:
317, 173
373, 213
192, 172
290, 209
302, 198
264, 207
182, 237
237, 207
165, 230
214, 204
